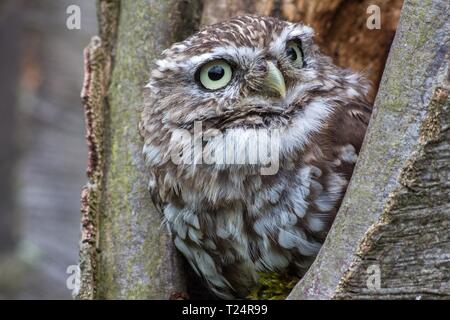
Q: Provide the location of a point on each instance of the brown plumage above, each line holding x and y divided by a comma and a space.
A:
238, 88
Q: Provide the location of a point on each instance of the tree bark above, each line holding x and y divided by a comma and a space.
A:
125, 254
395, 216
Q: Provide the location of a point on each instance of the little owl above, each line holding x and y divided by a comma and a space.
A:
250, 137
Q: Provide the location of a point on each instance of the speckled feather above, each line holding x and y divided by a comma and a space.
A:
229, 221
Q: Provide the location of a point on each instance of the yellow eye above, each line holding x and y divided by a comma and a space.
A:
215, 74
294, 52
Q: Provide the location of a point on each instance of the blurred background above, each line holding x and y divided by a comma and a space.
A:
43, 154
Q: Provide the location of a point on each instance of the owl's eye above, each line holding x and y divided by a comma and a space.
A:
294, 52
215, 74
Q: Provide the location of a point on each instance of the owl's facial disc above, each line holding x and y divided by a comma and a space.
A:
238, 75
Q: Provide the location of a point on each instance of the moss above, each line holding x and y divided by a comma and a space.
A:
273, 286
131, 238
397, 82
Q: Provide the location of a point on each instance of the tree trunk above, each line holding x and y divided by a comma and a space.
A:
394, 221
124, 251
396, 201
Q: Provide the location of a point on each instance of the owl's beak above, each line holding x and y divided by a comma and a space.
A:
274, 80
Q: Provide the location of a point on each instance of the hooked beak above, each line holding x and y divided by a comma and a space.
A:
274, 80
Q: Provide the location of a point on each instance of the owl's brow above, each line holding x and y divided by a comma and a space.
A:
226, 52
290, 33
238, 53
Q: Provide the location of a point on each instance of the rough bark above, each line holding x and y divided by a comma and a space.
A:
396, 214
124, 251
340, 27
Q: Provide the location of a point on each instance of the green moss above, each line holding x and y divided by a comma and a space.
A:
273, 286
131, 243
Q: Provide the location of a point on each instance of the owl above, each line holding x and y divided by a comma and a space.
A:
250, 139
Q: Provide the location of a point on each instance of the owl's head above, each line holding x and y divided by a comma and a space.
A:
248, 72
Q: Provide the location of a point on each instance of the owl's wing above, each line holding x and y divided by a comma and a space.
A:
352, 125
155, 195
348, 128
360, 113
158, 203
